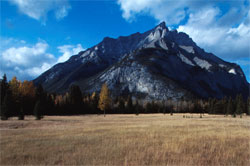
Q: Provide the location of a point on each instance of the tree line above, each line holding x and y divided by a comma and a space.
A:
23, 98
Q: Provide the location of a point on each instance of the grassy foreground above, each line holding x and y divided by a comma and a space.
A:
153, 139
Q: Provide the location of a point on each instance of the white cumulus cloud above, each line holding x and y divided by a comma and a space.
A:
225, 41
29, 61
221, 27
21, 60
26, 56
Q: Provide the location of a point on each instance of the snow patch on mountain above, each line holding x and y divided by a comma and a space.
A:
153, 36
92, 54
202, 63
85, 54
185, 60
232, 71
156, 35
222, 66
163, 44
189, 49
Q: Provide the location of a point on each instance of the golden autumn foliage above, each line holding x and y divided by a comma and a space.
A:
14, 87
27, 88
93, 96
104, 101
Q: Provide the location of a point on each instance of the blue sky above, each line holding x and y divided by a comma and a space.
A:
36, 34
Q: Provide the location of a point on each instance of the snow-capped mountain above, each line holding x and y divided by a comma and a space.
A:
157, 64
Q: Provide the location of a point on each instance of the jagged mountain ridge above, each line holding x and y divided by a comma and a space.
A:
157, 64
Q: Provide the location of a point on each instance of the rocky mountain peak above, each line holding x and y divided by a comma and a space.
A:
162, 26
160, 31
156, 64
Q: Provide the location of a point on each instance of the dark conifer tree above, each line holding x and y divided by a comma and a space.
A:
208, 106
154, 107
6, 106
4, 110
224, 105
148, 107
75, 97
165, 109
3, 88
161, 108
49, 105
121, 106
212, 106
197, 107
129, 107
3, 104
40, 94
137, 108
216, 106
239, 105
40, 105
38, 110
230, 107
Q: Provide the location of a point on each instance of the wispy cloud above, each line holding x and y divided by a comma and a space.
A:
38, 9
68, 50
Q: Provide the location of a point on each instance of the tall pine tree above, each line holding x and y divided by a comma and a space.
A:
239, 105
40, 102
230, 107
6, 106
75, 97
121, 105
4, 88
38, 110
130, 106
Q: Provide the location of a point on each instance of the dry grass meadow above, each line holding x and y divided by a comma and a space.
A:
153, 139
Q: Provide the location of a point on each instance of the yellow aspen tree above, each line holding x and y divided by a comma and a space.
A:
104, 101
14, 86
93, 96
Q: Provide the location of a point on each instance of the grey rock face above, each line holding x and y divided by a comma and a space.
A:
157, 64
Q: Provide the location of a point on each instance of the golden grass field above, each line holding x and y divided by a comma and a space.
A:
152, 139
